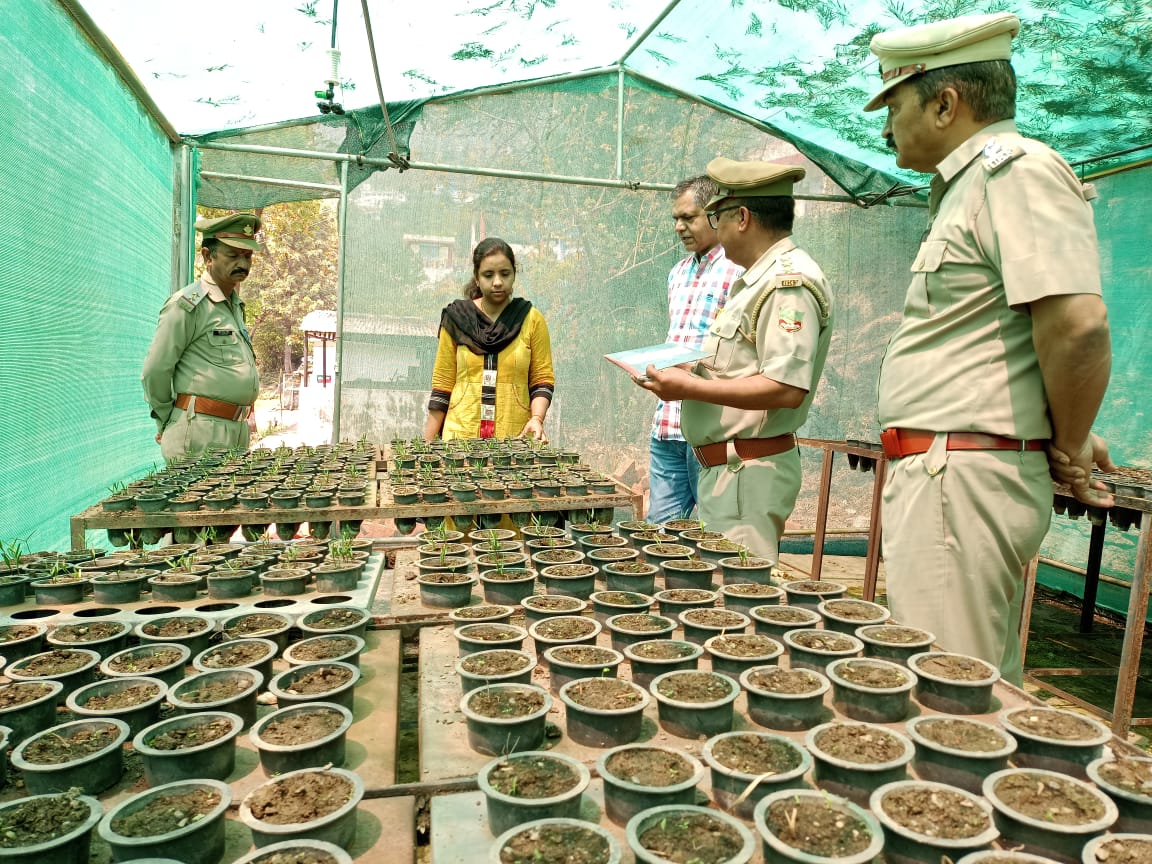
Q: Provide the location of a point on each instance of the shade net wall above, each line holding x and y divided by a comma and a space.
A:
86, 240
594, 260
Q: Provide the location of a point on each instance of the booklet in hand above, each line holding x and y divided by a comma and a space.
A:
636, 360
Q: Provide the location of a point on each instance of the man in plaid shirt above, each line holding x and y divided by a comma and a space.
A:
697, 289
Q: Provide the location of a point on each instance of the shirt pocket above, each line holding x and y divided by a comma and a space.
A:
227, 346
928, 260
724, 334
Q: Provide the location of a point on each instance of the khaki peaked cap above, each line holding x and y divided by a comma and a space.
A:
912, 50
236, 229
751, 179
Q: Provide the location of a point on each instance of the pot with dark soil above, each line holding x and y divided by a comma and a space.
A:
953, 683
732, 654
855, 759
785, 699
746, 766
1119, 848
815, 649
743, 597
551, 840
507, 585
1046, 813
182, 820
296, 852
339, 619
575, 662
717, 550
231, 690
301, 736
331, 681
251, 653
173, 587
958, 751
48, 829
694, 703
505, 718
533, 785
636, 576
446, 589
894, 642
18, 641
540, 606
601, 558
634, 627
809, 593
164, 662
285, 583
775, 621
72, 667
85, 754
700, 625
120, 587
800, 826
846, 615
638, 777
564, 630
190, 746
688, 573
324, 649
672, 602
230, 584
653, 657
136, 701
603, 712
605, 604
875, 691
1128, 782
26, 707
926, 822
569, 580
259, 625
103, 637
665, 833
62, 590
472, 638
192, 631
1055, 740
745, 570
495, 666
658, 553
313, 803
483, 613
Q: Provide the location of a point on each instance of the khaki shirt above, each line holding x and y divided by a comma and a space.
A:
789, 345
201, 347
1009, 223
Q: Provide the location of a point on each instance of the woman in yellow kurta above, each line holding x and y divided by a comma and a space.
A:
493, 374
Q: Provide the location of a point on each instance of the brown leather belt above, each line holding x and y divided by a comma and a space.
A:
213, 407
899, 443
711, 455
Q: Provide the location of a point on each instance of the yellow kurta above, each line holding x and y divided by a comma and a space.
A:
522, 365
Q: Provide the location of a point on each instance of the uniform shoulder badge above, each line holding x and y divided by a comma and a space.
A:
788, 280
996, 154
190, 296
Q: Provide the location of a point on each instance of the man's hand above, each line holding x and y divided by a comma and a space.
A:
1075, 470
159, 435
669, 384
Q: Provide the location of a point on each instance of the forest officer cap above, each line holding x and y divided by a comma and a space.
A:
751, 179
912, 50
236, 229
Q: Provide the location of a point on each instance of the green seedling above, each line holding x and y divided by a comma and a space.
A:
11, 551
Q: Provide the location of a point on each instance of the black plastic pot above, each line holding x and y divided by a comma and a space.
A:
555, 835
214, 759
962, 768
728, 659
30, 717
603, 727
277, 852
198, 842
75, 635
774, 620
471, 638
846, 615
871, 704
733, 597
816, 657
196, 639
953, 696
281, 758
786, 711
223, 656
878, 642
624, 798
906, 845
313, 624
25, 668
470, 680
341, 647
91, 774
562, 668
505, 811
281, 686
182, 695
71, 847
646, 669
1135, 808
509, 587
337, 827
259, 625
777, 850
854, 780
143, 713
738, 791
498, 736
693, 719
1064, 755
668, 816
137, 660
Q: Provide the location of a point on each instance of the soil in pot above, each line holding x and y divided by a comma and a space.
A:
556, 841
84, 753
809, 593
188, 747
322, 648
1128, 782
1054, 739
1119, 849
167, 813
654, 657
104, 637
689, 834
302, 736
893, 642
603, 712
745, 596
1047, 813
875, 691
819, 827
317, 682
733, 654
496, 663
855, 759
354, 621
958, 752
481, 637
505, 718
690, 704
528, 786
42, 819
953, 683
637, 776
262, 624
301, 798
746, 766
572, 662
484, 612
926, 821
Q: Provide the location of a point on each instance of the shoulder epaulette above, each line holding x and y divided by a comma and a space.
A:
191, 295
799, 280
997, 154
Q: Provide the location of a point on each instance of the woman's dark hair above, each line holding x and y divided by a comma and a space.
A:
487, 246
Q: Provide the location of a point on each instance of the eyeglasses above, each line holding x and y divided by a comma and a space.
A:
712, 214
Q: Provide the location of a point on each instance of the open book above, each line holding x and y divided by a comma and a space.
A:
636, 360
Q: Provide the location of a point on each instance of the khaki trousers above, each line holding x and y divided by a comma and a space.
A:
189, 436
751, 503
959, 527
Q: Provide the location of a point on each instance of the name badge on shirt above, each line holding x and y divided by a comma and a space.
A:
489, 378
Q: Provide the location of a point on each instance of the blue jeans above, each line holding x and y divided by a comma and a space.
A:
672, 475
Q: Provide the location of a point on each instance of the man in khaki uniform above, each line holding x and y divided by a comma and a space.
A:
200, 374
998, 368
743, 403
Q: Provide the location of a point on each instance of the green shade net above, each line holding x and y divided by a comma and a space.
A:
85, 216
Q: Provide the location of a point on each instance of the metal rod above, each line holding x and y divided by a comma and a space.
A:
1133, 631
1092, 577
639, 40
1112, 155
376, 75
271, 181
1080, 571
619, 124
517, 86
342, 229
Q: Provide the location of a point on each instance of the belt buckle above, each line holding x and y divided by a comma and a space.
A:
241, 413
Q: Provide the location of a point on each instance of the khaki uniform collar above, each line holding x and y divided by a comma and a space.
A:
958, 159
215, 292
756, 272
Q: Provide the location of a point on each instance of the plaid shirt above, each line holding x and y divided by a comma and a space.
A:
697, 290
